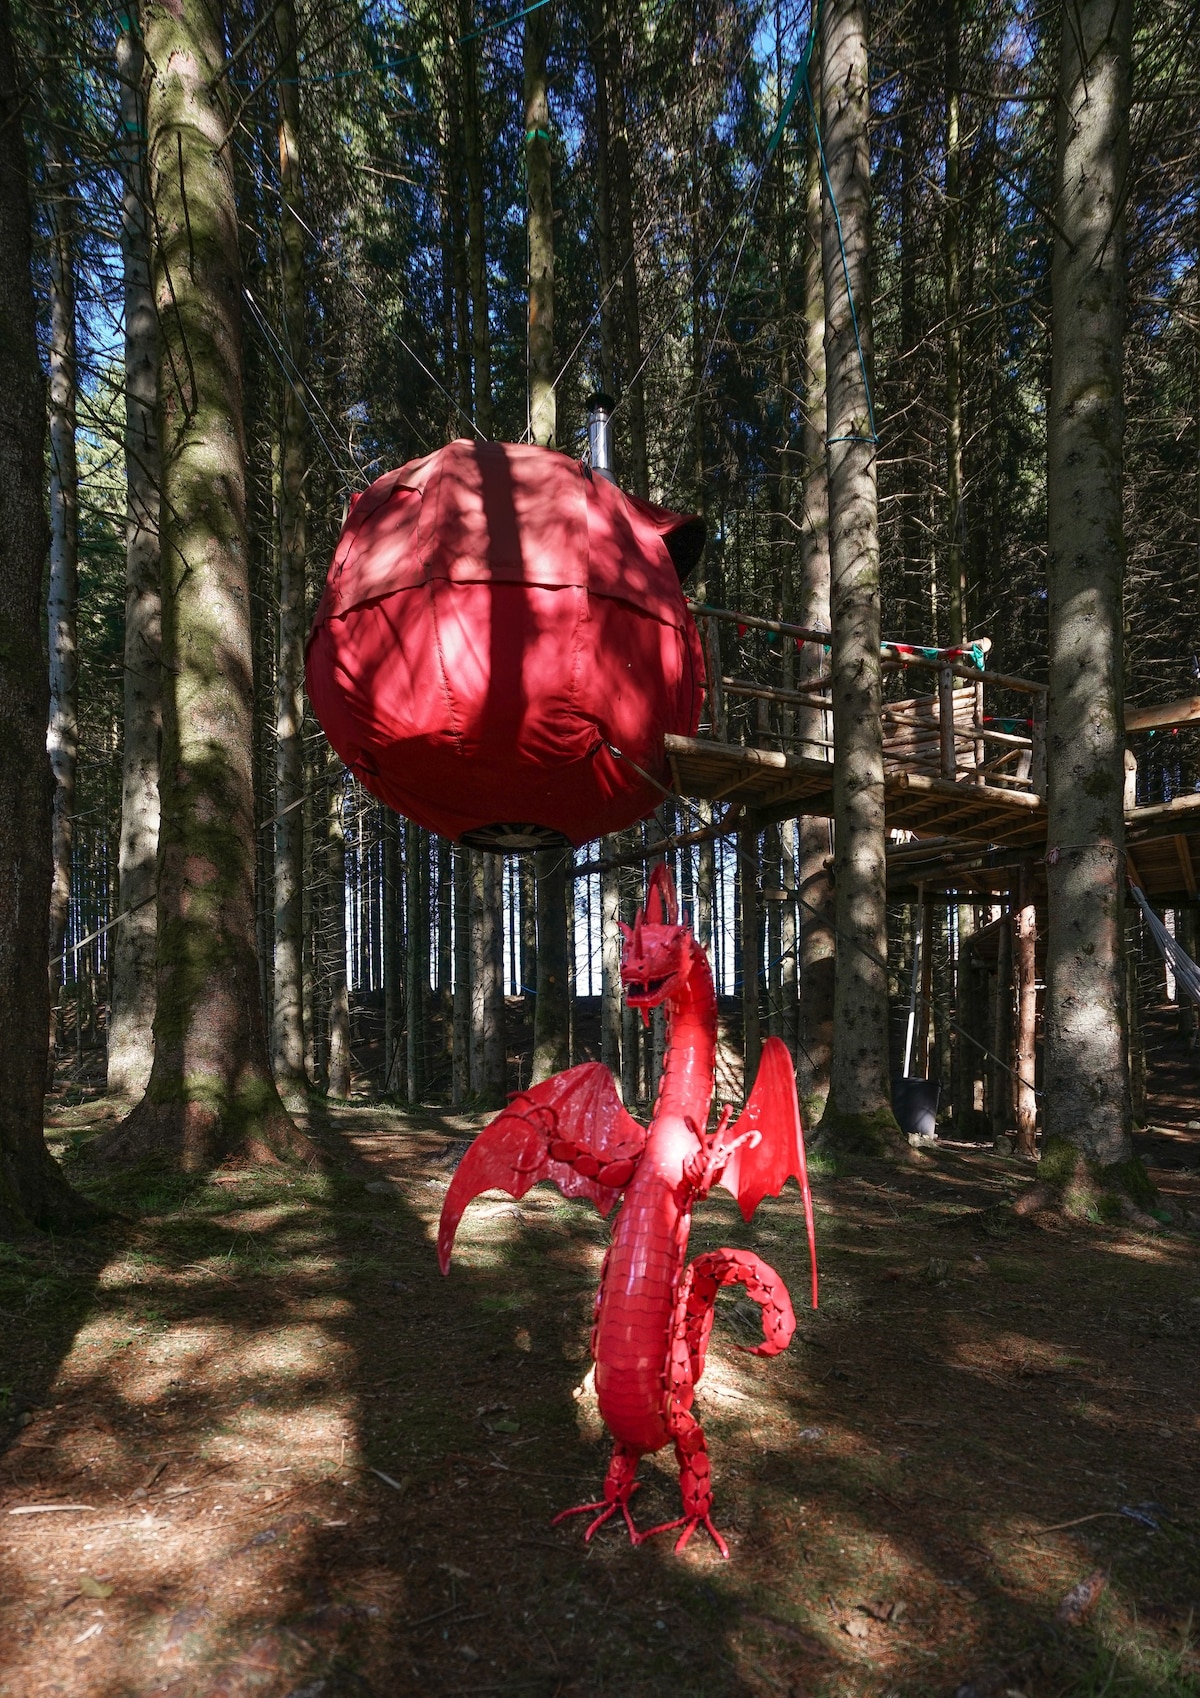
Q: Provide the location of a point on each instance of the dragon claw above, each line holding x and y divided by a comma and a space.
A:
689, 1523
608, 1507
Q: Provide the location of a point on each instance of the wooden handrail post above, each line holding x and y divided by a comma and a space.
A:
946, 721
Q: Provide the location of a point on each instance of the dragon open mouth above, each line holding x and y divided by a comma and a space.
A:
636, 991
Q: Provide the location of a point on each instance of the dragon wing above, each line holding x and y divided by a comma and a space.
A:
763, 1169
580, 1107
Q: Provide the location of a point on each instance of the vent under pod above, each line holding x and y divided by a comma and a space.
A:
511, 839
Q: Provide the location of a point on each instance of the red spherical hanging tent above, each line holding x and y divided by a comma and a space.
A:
495, 622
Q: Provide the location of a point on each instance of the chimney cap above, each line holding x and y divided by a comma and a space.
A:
599, 402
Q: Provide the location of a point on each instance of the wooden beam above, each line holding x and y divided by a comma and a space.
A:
1157, 716
1183, 850
1181, 805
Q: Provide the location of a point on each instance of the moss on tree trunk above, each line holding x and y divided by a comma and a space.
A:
210, 1092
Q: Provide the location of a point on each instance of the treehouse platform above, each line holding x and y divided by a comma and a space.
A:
964, 761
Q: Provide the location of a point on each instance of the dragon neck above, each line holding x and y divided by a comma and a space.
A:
687, 1080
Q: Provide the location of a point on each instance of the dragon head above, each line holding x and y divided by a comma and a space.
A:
657, 955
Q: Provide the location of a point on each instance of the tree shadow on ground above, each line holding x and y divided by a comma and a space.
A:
359, 1460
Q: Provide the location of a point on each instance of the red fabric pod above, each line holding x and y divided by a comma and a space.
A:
493, 618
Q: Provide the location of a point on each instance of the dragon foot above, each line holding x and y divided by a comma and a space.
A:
689, 1523
619, 1487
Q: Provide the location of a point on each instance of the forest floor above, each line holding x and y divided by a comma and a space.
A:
274, 1453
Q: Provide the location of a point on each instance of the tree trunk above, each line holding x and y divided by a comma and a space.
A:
552, 1015
598, 41
394, 954
1024, 963
1000, 1081
287, 1024
952, 261
495, 1044
337, 1073
131, 1011
747, 884
813, 875
476, 250
416, 958
211, 1091
63, 608
32, 1188
610, 960
460, 1068
858, 1111
540, 231
622, 185
1087, 1143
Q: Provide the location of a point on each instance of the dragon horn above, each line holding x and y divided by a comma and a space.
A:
662, 888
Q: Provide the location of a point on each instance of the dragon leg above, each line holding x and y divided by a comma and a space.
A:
698, 1295
619, 1487
695, 1483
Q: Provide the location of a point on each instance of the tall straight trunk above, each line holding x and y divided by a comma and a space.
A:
747, 884
597, 43
1087, 1106
337, 1069
789, 939
1000, 1083
552, 1015
912, 472
393, 952
952, 261
287, 1022
62, 738
445, 903
631, 1031
481, 339
706, 883
773, 882
622, 184
1024, 962
610, 959
131, 1012
416, 959
527, 881
460, 1068
495, 1045
32, 1188
813, 877
478, 904
539, 230
858, 1111
552, 1024
210, 1090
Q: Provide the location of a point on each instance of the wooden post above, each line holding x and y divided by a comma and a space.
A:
980, 745
946, 721
1024, 962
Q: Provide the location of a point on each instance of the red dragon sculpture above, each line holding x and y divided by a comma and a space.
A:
653, 1314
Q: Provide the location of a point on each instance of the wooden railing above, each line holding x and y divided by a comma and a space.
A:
759, 694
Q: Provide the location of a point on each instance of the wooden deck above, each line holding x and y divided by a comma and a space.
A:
964, 787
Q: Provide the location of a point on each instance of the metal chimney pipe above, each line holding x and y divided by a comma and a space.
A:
599, 417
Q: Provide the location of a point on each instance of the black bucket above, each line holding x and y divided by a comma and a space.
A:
915, 1105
